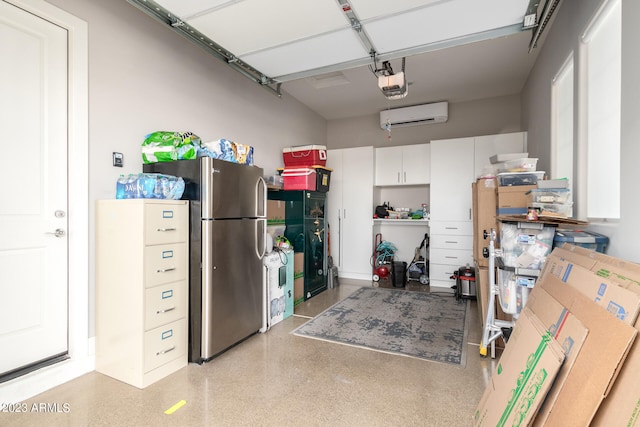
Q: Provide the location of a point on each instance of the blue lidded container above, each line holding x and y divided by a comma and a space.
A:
582, 238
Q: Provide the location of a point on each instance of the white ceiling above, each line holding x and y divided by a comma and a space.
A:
456, 50
484, 69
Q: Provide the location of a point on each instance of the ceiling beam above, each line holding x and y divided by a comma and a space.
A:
166, 17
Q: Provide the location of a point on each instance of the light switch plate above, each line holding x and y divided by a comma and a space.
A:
118, 159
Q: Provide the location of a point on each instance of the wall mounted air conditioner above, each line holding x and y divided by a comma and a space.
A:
437, 112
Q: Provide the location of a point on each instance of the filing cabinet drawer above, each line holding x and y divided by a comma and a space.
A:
166, 223
164, 344
165, 263
165, 304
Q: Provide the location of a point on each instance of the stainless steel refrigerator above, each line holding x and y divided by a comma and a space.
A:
227, 244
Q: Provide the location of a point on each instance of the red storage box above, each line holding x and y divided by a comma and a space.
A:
310, 179
305, 156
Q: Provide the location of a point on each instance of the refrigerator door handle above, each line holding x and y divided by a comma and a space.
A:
261, 241
261, 196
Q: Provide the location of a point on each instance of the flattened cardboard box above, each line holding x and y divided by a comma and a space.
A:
484, 217
622, 404
275, 212
568, 331
524, 375
625, 273
621, 302
598, 362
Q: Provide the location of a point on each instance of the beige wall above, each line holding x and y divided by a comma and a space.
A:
483, 117
143, 77
564, 38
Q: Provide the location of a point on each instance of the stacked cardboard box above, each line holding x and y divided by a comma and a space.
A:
588, 305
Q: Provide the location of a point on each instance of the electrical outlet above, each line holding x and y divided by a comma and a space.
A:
118, 159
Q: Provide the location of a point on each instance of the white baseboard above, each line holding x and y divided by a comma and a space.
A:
36, 382
356, 276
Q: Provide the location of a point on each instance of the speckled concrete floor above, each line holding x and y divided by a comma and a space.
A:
278, 379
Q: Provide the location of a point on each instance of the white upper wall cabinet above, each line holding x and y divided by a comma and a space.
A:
403, 165
452, 166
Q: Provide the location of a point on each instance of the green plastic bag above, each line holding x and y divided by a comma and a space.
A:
169, 146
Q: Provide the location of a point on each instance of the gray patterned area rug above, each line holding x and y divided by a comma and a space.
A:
416, 324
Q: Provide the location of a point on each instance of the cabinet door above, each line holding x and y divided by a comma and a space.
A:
452, 163
333, 210
489, 145
416, 166
388, 166
357, 202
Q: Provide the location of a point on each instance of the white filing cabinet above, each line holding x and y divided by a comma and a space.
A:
142, 265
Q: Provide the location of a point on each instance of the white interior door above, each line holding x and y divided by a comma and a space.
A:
33, 211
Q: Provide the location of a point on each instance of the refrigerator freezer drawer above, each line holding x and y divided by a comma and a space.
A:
164, 344
165, 263
165, 304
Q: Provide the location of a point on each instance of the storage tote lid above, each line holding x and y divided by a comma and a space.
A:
303, 148
579, 236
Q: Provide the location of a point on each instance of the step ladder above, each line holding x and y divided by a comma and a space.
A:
493, 328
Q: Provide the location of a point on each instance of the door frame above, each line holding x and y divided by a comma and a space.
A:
81, 354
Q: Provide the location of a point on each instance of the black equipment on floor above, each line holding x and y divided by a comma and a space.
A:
465, 286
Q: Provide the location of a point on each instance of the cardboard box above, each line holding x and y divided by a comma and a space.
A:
617, 300
623, 272
568, 331
513, 200
483, 292
298, 278
524, 375
599, 360
599, 378
484, 216
276, 212
622, 404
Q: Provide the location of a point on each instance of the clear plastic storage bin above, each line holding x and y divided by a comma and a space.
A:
506, 179
519, 165
549, 195
524, 246
553, 209
513, 290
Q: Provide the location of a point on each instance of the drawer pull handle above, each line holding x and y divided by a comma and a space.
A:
451, 257
165, 270
166, 229
165, 310
451, 228
450, 241
165, 351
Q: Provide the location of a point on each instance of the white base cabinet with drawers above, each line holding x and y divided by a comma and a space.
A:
142, 265
455, 164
